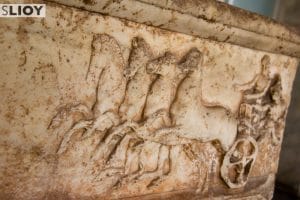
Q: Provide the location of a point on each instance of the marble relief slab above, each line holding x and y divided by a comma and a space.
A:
95, 106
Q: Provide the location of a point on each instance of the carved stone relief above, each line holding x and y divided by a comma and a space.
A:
129, 110
140, 109
261, 114
148, 81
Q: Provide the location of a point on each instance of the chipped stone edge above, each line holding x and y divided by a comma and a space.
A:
205, 19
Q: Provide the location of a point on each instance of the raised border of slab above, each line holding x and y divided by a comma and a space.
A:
202, 18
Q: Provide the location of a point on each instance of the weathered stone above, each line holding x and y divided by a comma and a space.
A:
97, 106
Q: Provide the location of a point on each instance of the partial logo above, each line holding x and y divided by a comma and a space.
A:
22, 10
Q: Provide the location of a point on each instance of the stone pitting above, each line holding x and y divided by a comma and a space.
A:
115, 109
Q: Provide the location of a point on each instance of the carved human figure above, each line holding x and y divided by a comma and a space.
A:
261, 114
254, 106
263, 108
258, 87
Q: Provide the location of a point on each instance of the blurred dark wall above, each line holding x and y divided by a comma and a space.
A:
288, 12
288, 177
